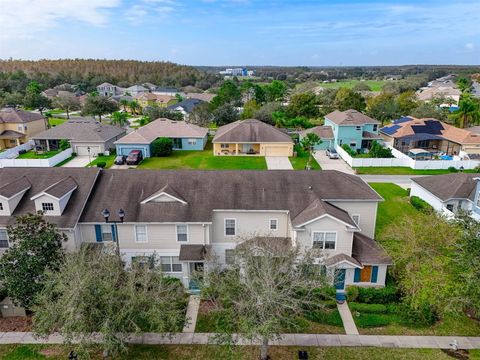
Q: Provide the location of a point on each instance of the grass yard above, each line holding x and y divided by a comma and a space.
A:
56, 121
375, 85
107, 159
401, 171
216, 352
33, 155
300, 161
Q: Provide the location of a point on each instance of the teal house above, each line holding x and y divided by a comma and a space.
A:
184, 136
353, 128
325, 133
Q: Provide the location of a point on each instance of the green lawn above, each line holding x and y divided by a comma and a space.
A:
401, 171
216, 352
375, 85
56, 121
33, 155
300, 161
107, 159
204, 160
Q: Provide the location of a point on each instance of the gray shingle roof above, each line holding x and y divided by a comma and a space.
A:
187, 105
41, 179
193, 252
449, 186
368, 252
350, 117
318, 208
324, 132
11, 134
250, 130
81, 130
10, 115
334, 260
16, 186
62, 187
206, 190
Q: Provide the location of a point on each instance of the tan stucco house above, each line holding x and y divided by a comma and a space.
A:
251, 137
18, 126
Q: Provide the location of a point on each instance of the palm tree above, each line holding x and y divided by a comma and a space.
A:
125, 103
468, 112
119, 118
134, 107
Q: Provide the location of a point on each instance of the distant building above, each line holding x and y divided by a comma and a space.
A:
171, 91
239, 72
107, 89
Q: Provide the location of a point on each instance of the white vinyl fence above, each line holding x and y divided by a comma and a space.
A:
50, 162
13, 152
402, 160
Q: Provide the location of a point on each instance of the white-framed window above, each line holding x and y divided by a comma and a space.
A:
107, 234
192, 141
229, 256
326, 240
170, 264
1, 206
4, 239
20, 127
224, 146
141, 233
273, 224
356, 219
182, 233
358, 127
230, 227
47, 206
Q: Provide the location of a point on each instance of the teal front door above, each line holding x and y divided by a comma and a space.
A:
339, 280
196, 269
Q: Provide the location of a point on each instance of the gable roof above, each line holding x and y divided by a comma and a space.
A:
201, 96
42, 179
449, 186
136, 88
81, 130
187, 105
163, 128
318, 208
209, 190
59, 189
350, 117
15, 187
250, 130
324, 132
428, 128
168, 191
367, 251
339, 258
11, 115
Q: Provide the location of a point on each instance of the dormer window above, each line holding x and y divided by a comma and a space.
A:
47, 207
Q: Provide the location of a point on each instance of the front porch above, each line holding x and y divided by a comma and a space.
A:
10, 139
241, 149
47, 145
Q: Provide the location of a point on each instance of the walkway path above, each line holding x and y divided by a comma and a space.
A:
325, 340
347, 319
192, 313
278, 163
331, 164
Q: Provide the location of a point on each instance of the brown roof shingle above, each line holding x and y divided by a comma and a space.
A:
350, 117
450, 186
15, 187
250, 131
324, 132
10, 115
81, 130
368, 252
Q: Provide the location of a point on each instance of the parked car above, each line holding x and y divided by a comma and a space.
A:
134, 157
120, 160
331, 153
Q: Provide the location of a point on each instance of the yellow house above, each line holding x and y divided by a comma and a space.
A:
18, 126
149, 99
251, 137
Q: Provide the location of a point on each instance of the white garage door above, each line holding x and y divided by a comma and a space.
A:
83, 150
277, 151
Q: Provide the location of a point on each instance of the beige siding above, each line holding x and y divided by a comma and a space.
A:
367, 212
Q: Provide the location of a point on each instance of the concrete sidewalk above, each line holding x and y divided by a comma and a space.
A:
278, 163
324, 340
347, 319
192, 313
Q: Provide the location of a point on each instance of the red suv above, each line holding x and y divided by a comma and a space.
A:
134, 157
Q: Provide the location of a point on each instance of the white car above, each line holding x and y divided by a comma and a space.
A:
331, 153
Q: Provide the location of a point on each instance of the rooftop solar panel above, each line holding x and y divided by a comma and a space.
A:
402, 120
390, 130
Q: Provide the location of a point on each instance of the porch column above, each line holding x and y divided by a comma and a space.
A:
48, 145
18, 142
236, 149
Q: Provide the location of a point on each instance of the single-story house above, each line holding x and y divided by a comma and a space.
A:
87, 136
200, 96
185, 106
449, 193
162, 90
251, 137
185, 136
18, 126
433, 135
325, 133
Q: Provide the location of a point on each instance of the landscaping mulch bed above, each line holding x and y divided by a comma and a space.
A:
205, 307
16, 323
457, 354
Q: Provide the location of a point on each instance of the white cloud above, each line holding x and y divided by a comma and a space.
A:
159, 9
24, 18
470, 47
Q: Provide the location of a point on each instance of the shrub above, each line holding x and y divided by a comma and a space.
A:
419, 315
378, 151
64, 144
162, 147
100, 154
452, 169
372, 320
386, 295
349, 150
420, 204
101, 164
477, 169
352, 293
368, 308
328, 317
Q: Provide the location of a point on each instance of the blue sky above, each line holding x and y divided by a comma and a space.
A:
244, 32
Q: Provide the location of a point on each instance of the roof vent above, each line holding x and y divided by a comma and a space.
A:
310, 187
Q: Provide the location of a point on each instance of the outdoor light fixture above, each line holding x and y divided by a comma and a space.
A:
121, 215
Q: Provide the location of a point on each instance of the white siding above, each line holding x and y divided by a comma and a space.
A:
417, 190
367, 212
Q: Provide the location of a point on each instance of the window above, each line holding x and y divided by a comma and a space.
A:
375, 127
144, 262
47, 206
352, 144
140, 233
324, 240
224, 146
230, 227
356, 219
1, 206
192, 141
369, 274
107, 233
229, 256
450, 206
358, 128
3, 239
182, 233
20, 127
170, 264
273, 224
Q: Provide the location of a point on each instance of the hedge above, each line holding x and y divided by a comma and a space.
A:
386, 295
420, 204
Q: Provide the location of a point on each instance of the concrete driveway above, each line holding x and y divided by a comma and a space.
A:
278, 163
78, 161
331, 164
